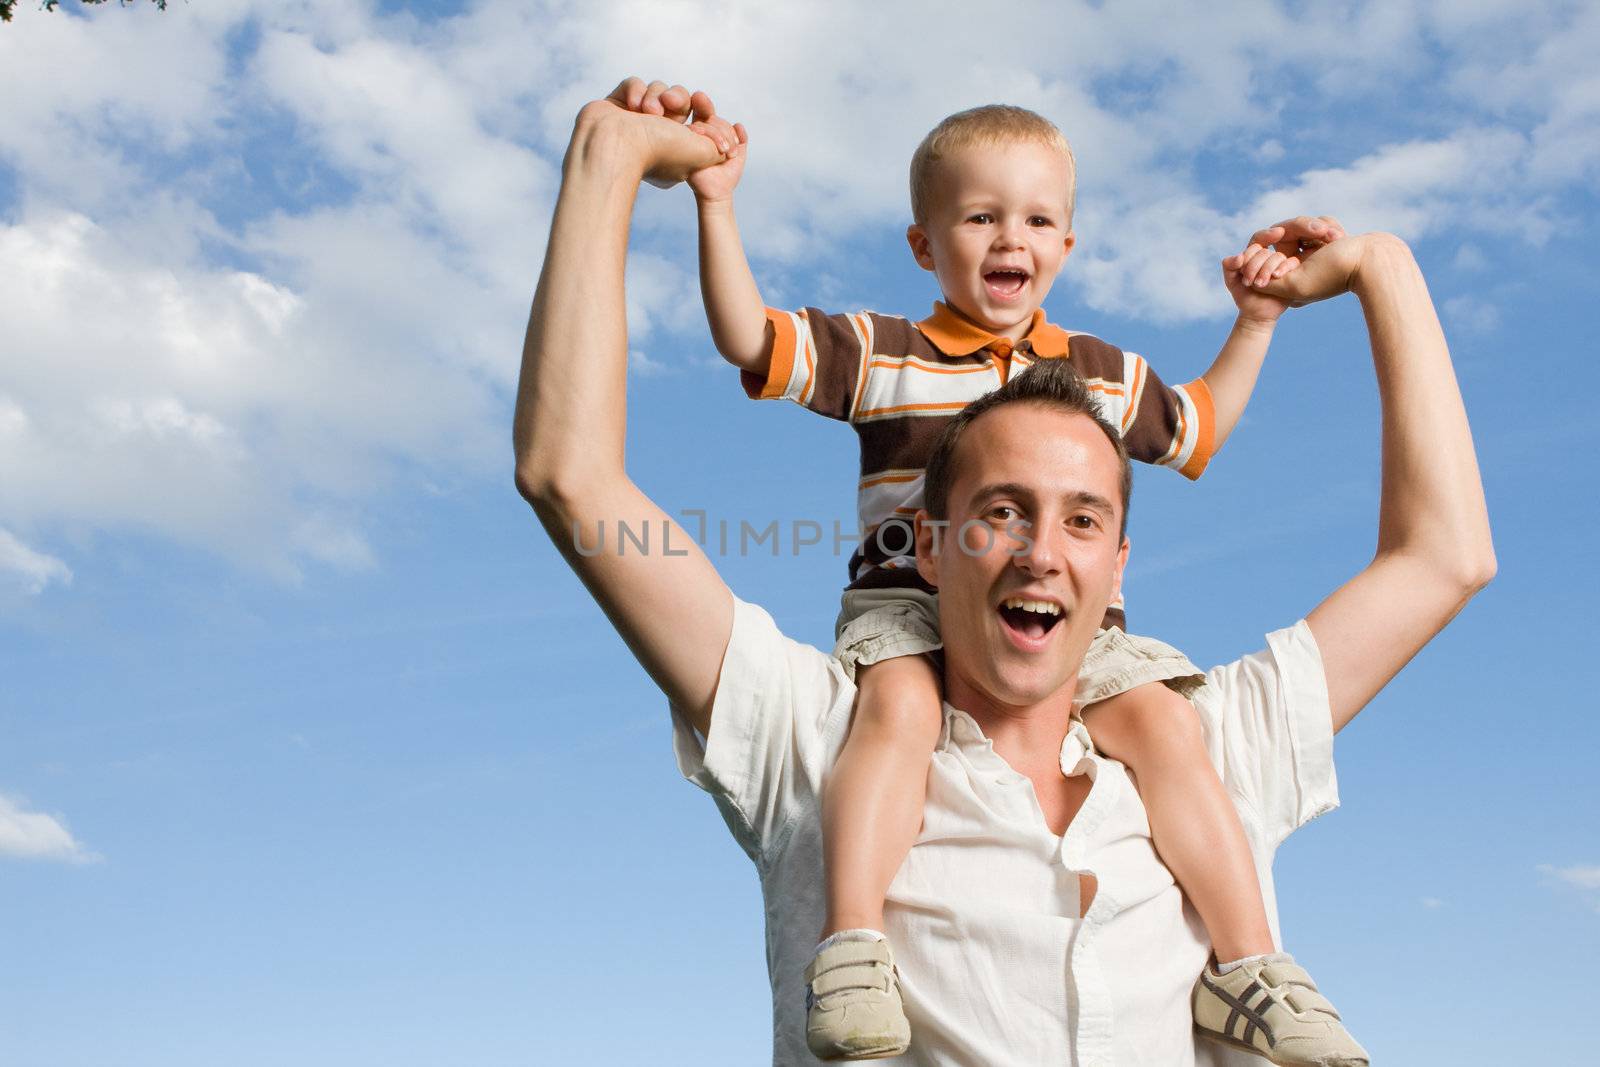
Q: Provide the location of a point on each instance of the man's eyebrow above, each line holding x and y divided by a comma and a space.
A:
1013, 489
1077, 498
1084, 498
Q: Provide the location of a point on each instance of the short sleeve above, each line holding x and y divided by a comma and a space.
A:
1270, 731
781, 710
1165, 425
817, 361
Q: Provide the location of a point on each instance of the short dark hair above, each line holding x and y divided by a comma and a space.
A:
1048, 383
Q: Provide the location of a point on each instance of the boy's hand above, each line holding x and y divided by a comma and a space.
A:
1273, 253
716, 182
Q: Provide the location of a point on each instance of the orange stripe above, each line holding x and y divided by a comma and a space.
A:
1206, 415
887, 363
889, 479
782, 362
1135, 393
956, 405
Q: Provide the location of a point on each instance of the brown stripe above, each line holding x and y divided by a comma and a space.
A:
899, 444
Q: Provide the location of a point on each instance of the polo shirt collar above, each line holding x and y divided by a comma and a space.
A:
956, 335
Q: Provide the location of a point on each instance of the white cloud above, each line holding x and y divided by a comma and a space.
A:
1470, 313
1432, 903
1583, 878
234, 338
35, 835
1578, 877
27, 569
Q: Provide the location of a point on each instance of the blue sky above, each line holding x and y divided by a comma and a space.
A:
312, 750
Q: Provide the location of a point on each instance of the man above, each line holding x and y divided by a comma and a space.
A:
1035, 919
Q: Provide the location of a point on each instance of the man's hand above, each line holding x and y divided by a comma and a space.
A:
1273, 254
648, 121
711, 183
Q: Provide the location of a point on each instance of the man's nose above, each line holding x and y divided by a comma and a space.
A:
1035, 551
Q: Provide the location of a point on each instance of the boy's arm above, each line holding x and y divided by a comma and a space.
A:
1232, 376
734, 308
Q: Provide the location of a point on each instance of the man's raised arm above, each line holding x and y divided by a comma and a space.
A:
666, 600
1434, 548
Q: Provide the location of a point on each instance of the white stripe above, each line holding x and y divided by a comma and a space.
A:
861, 323
1183, 450
877, 503
916, 384
1113, 405
1134, 382
793, 389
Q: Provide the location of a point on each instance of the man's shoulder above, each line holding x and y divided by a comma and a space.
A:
1269, 729
758, 647
1290, 652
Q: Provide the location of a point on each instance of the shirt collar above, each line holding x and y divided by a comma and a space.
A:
956, 335
961, 731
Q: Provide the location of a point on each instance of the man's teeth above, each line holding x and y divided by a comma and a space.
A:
1043, 607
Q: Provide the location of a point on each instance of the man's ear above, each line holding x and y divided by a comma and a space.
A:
930, 532
917, 238
1116, 578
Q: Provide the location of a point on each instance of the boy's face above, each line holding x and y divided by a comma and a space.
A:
997, 233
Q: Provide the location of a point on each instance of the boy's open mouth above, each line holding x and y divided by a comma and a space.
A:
1006, 284
1031, 619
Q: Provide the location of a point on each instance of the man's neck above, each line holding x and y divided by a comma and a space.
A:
1027, 736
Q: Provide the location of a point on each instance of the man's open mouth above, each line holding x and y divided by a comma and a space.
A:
1006, 284
1031, 619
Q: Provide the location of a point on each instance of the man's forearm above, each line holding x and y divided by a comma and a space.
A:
1232, 376
570, 413
734, 308
1434, 547
1432, 496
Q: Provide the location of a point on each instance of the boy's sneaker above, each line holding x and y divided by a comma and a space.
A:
853, 1009
1270, 1006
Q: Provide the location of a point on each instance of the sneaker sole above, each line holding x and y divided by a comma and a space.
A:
882, 1053
1232, 1042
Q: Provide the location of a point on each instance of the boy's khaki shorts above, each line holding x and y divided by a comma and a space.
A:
880, 624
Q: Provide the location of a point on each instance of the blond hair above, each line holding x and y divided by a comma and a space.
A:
991, 124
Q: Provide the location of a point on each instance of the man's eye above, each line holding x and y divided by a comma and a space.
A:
1002, 512
1082, 522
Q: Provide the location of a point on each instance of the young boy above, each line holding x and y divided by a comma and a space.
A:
992, 199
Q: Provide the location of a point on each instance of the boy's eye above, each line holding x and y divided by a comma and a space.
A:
1039, 220
982, 218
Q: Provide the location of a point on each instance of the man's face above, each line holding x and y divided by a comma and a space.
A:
997, 232
1035, 514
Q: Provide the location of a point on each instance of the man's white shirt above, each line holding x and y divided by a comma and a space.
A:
999, 963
